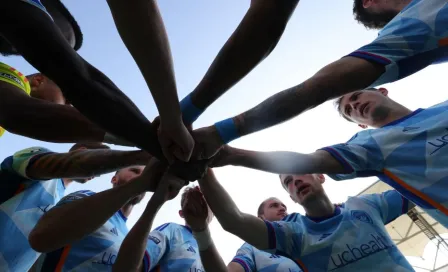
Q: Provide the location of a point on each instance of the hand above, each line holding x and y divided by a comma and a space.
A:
176, 141
151, 176
169, 187
223, 157
156, 124
195, 210
208, 142
190, 171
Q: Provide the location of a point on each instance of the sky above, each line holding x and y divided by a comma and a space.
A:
318, 33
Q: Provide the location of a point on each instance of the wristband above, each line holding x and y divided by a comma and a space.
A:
111, 139
227, 130
189, 111
203, 238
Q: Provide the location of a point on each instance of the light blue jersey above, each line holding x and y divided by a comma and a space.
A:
416, 38
172, 247
96, 252
23, 202
252, 260
353, 239
410, 154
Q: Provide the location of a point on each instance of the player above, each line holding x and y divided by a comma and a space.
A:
45, 46
253, 40
406, 150
248, 258
412, 40
169, 247
351, 237
93, 244
34, 179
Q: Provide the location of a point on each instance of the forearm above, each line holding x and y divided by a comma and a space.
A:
212, 260
84, 163
132, 250
150, 49
61, 225
339, 78
249, 228
253, 40
284, 162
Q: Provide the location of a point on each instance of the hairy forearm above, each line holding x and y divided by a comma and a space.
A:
249, 228
84, 163
150, 49
132, 250
339, 78
61, 225
253, 40
284, 162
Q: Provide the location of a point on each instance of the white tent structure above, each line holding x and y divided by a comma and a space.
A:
420, 238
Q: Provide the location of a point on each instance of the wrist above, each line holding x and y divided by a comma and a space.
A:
227, 130
190, 113
203, 238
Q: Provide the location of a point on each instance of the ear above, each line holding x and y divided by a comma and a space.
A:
362, 126
114, 180
321, 178
181, 214
367, 3
36, 80
383, 91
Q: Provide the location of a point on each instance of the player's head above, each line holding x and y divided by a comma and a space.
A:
370, 107
304, 189
63, 20
44, 88
87, 146
191, 190
126, 175
375, 14
272, 209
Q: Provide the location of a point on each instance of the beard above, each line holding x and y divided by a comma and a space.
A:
380, 114
383, 18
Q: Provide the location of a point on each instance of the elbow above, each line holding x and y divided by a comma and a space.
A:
38, 241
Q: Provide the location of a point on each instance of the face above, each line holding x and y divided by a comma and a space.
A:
303, 189
274, 210
125, 175
384, 7
366, 107
45, 89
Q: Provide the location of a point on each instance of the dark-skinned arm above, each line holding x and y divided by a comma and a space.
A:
255, 38
84, 163
60, 225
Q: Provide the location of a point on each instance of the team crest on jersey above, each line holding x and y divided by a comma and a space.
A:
361, 216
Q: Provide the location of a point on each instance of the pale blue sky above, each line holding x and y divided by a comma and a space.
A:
318, 33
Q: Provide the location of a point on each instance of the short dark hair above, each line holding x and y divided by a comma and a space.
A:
371, 20
260, 210
6, 49
337, 104
92, 146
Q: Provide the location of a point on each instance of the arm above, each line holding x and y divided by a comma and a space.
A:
89, 90
280, 162
248, 227
254, 39
235, 267
132, 250
60, 225
84, 163
341, 77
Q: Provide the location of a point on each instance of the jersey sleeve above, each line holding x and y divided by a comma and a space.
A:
23, 159
285, 237
74, 196
361, 157
390, 204
158, 243
245, 257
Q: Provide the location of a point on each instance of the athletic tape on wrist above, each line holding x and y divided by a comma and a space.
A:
203, 238
111, 139
227, 130
189, 111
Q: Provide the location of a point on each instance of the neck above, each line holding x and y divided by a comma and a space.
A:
127, 209
319, 207
398, 112
402, 4
66, 182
